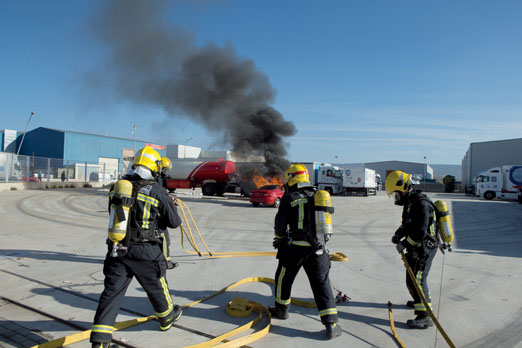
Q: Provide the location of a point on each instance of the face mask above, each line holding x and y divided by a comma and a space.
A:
398, 198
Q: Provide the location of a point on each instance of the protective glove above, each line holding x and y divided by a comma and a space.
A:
278, 242
400, 247
396, 239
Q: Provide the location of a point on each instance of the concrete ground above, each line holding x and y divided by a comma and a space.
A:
53, 246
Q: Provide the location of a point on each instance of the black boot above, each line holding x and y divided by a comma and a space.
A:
279, 311
333, 330
421, 321
166, 322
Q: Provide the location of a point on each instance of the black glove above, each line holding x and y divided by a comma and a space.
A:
396, 239
400, 247
278, 242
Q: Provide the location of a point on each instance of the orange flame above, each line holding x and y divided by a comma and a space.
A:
260, 180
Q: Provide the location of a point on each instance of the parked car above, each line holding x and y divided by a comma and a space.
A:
267, 195
31, 178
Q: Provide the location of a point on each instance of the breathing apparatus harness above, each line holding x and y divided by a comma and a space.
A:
443, 227
123, 208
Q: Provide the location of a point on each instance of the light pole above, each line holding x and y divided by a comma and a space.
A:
23, 136
134, 129
185, 147
424, 177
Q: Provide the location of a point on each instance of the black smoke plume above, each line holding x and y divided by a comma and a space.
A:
153, 63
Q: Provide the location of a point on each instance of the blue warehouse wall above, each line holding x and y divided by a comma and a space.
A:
42, 142
89, 147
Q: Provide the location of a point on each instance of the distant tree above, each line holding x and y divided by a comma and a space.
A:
449, 183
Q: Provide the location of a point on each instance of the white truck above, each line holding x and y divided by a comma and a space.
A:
325, 176
499, 182
359, 180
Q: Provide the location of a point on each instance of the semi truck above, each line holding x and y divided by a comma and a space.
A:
500, 182
213, 177
359, 180
339, 181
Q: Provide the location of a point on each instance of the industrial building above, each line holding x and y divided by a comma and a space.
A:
488, 154
76, 149
419, 170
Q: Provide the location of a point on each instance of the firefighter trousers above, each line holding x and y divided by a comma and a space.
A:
420, 263
317, 268
146, 262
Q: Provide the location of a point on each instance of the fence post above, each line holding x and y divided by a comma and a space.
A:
48, 169
67, 172
6, 168
28, 173
86, 172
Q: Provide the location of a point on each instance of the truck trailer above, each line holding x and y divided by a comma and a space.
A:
500, 182
359, 180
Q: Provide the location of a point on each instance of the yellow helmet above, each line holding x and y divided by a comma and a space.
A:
297, 174
397, 181
166, 163
149, 158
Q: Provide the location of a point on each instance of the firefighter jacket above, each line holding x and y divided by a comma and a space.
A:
295, 219
152, 211
418, 221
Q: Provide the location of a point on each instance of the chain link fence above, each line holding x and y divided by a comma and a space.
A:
21, 168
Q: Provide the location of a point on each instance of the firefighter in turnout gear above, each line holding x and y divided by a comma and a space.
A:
298, 246
166, 165
139, 248
417, 235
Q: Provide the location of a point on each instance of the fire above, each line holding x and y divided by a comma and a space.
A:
260, 180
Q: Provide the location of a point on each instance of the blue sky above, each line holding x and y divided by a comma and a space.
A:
362, 81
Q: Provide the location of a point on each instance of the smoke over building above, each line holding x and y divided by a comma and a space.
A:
154, 63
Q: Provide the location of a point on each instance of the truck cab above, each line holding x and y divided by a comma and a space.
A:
330, 178
488, 183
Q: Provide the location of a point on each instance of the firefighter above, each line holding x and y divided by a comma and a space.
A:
139, 253
166, 165
297, 246
417, 236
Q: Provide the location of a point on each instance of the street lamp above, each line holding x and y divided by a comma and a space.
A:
23, 136
185, 147
134, 129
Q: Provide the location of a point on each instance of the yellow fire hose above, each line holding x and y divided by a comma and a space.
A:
392, 325
424, 301
238, 307
187, 232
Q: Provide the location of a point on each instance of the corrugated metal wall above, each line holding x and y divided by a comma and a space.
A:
42, 142
89, 147
485, 155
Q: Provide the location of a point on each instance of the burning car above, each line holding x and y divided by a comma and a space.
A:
267, 195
